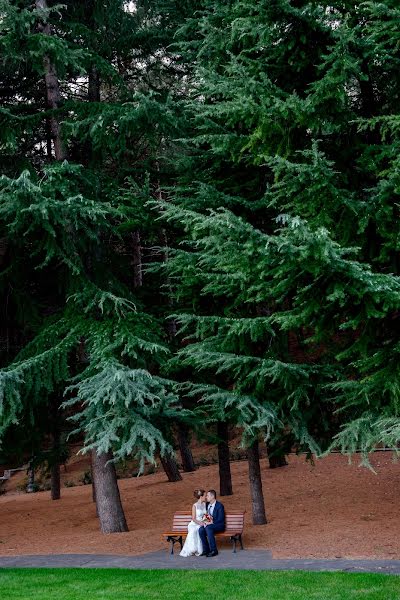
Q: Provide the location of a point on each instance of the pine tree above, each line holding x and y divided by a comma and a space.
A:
288, 197
68, 273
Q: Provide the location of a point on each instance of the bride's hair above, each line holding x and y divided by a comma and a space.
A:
198, 493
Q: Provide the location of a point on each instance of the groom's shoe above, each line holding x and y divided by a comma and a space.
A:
204, 554
213, 553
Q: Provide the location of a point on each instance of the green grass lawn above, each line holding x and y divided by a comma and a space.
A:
121, 584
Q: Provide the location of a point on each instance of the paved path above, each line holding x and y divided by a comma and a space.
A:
246, 559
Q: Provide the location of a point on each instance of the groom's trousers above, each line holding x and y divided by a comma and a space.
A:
208, 538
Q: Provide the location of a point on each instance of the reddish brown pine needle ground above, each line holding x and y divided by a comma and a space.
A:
329, 510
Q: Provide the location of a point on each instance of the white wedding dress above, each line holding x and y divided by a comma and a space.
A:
193, 543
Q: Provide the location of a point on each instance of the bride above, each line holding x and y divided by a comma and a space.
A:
193, 543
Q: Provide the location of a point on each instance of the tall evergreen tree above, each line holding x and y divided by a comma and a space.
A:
81, 83
289, 197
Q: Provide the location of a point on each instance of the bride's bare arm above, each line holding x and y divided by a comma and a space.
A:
194, 515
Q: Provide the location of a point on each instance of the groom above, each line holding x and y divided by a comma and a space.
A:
217, 513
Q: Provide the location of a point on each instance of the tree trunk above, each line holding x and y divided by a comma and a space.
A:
171, 324
30, 487
55, 481
256, 491
93, 84
93, 489
277, 461
53, 95
108, 501
92, 155
170, 467
184, 447
276, 456
225, 477
49, 140
93, 483
136, 260
55, 464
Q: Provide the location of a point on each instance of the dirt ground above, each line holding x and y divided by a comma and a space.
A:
330, 510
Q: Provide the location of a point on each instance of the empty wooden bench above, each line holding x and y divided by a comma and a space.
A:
234, 522
7, 474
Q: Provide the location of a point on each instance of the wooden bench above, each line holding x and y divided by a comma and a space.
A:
234, 522
7, 474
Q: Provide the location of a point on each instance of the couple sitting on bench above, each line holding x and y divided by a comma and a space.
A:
208, 518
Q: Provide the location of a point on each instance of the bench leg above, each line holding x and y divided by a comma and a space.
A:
173, 540
236, 538
172, 544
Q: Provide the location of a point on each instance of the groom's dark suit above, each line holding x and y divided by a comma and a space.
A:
207, 533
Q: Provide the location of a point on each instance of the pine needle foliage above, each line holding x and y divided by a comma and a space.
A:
122, 410
67, 280
288, 198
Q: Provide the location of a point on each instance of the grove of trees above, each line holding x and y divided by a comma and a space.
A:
199, 215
